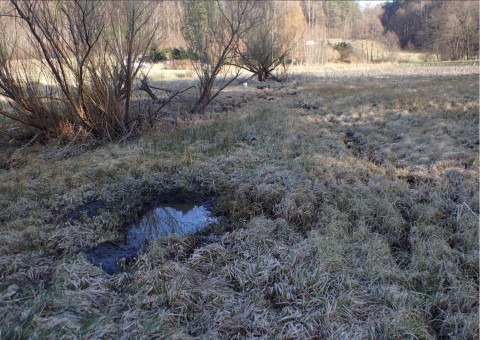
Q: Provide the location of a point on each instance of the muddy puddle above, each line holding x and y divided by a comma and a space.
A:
161, 221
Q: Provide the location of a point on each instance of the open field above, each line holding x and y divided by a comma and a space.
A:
349, 208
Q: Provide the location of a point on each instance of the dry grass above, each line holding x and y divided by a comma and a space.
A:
351, 210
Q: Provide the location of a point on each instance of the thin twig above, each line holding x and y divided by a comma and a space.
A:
129, 132
72, 141
176, 93
468, 208
159, 88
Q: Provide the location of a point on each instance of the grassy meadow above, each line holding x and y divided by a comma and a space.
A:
348, 197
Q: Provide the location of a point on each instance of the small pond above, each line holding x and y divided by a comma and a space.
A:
163, 220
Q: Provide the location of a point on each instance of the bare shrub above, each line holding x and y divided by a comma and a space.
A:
213, 31
269, 45
88, 59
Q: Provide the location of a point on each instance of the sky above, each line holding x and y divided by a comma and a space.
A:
363, 4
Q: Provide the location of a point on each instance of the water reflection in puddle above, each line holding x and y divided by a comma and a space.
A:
159, 222
169, 219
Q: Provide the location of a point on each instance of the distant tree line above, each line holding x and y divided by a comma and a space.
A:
447, 29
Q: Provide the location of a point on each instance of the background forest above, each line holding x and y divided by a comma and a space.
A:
445, 30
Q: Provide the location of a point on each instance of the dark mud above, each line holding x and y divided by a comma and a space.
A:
107, 255
89, 210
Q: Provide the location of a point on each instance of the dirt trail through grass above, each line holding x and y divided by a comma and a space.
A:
349, 205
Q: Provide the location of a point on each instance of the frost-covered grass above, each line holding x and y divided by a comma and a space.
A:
350, 209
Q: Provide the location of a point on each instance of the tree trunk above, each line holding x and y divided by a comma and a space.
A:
261, 75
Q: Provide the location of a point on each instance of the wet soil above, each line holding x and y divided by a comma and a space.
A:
107, 255
89, 209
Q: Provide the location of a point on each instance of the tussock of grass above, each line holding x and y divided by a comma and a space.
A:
354, 216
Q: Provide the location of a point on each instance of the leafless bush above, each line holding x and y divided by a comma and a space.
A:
87, 55
267, 46
213, 31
